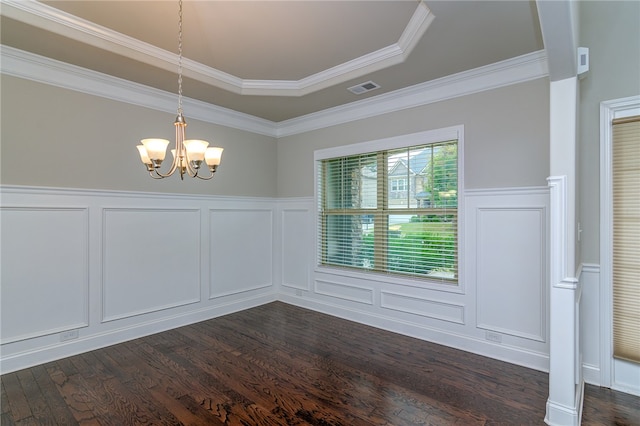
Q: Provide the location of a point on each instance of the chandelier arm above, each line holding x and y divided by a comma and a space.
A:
206, 177
172, 169
154, 174
165, 175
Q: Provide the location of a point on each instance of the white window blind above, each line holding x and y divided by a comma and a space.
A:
392, 211
626, 238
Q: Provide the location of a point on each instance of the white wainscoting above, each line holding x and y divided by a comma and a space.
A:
86, 269
429, 308
500, 308
296, 224
141, 274
241, 251
108, 255
589, 278
35, 241
344, 291
511, 271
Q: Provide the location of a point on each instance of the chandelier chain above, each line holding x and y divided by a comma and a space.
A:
180, 57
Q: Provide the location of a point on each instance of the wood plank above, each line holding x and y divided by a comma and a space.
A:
40, 410
63, 375
18, 404
60, 412
4, 401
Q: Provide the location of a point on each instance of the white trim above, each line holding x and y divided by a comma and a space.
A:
561, 273
511, 191
609, 110
44, 70
38, 68
459, 307
521, 69
43, 190
590, 372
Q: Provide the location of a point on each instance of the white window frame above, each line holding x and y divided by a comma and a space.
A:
398, 142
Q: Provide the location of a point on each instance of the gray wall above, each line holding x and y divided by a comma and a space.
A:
506, 138
60, 138
611, 31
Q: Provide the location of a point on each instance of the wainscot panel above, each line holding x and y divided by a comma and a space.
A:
141, 272
241, 244
511, 270
296, 232
590, 337
86, 269
508, 245
344, 291
45, 270
423, 307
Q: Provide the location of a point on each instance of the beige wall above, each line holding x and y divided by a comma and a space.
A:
89, 142
611, 31
60, 138
506, 138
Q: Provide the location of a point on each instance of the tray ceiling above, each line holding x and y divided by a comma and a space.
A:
275, 60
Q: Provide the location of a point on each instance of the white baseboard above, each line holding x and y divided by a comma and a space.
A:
591, 374
43, 354
513, 355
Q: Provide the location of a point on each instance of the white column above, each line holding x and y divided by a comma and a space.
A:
564, 405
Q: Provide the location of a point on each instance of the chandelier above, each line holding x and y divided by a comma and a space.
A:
188, 155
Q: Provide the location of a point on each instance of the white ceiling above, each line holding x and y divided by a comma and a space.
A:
275, 59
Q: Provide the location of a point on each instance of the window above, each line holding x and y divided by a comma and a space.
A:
626, 238
392, 210
398, 184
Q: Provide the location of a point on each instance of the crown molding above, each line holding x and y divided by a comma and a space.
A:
33, 67
18, 63
54, 20
511, 71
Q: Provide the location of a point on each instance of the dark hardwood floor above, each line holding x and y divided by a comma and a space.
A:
281, 365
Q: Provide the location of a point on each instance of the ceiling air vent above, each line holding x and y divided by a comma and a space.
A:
361, 88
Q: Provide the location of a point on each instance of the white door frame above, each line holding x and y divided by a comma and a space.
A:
609, 110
